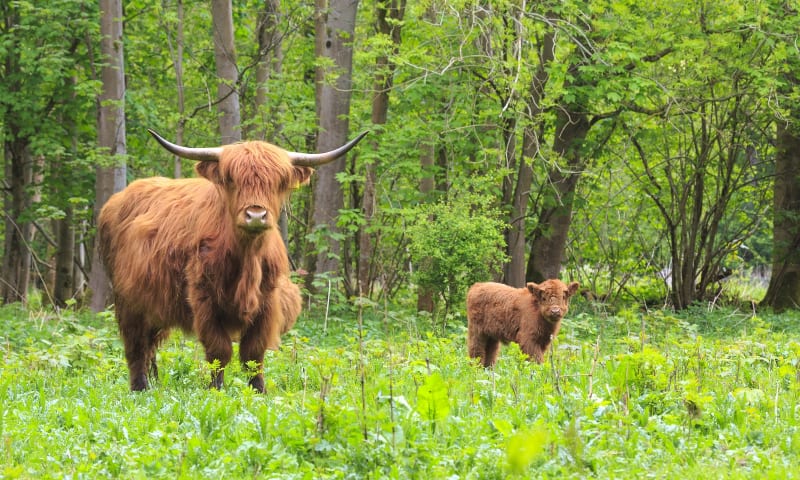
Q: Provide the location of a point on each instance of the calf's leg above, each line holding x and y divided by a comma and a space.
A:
483, 347
492, 349
535, 350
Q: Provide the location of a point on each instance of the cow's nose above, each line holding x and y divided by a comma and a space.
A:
255, 216
555, 311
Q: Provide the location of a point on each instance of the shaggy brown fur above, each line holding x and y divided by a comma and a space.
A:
185, 253
529, 316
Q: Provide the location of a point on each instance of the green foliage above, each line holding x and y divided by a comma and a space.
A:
456, 243
717, 389
682, 101
524, 447
432, 400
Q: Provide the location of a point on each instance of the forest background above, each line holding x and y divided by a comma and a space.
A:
650, 151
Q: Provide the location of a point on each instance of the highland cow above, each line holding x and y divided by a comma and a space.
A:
205, 255
529, 316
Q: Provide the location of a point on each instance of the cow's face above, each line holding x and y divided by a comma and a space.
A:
255, 178
552, 297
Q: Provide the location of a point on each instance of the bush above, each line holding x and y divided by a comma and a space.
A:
454, 244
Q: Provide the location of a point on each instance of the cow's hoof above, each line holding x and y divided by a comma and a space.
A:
257, 384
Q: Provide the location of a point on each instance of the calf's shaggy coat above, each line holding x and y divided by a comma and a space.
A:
204, 255
529, 316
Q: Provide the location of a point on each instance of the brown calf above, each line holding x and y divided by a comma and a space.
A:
529, 316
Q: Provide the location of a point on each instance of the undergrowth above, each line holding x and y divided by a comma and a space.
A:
705, 393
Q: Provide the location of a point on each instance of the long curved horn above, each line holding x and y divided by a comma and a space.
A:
200, 154
317, 159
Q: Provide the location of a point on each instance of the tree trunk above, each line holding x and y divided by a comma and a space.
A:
784, 284
176, 51
389, 16
225, 59
110, 134
549, 241
14, 276
270, 63
532, 132
64, 229
426, 187
335, 29
17, 258
64, 284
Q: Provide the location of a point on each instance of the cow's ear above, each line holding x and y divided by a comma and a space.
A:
209, 170
302, 175
572, 288
533, 288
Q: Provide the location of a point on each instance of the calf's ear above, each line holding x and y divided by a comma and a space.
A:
533, 288
572, 288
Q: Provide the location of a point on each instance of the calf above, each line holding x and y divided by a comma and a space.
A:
529, 316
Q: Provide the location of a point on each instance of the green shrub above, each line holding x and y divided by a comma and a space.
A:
454, 244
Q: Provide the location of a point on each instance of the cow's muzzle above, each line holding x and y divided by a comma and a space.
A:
256, 219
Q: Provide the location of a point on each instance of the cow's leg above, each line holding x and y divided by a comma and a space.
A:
218, 351
263, 334
217, 344
157, 335
218, 347
137, 341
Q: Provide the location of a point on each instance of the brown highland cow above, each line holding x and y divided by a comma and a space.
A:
529, 316
205, 255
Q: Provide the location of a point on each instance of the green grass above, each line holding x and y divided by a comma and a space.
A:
702, 394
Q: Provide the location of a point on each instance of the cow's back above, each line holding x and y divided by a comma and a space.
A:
147, 233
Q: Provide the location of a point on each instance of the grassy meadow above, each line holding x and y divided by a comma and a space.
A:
709, 393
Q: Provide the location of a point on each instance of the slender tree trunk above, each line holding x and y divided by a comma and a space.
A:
335, 30
176, 51
784, 284
388, 17
228, 74
64, 229
426, 187
270, 63
14, 276
110, 133
512, 197
516, 236
64, 284
19, 233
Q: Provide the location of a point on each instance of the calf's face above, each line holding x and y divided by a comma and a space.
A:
552, 298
